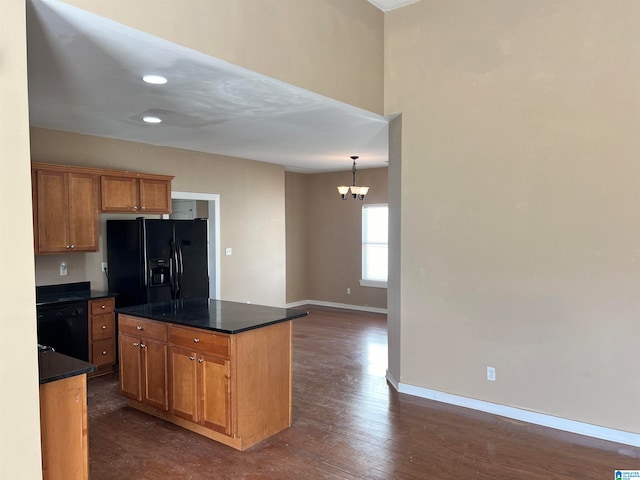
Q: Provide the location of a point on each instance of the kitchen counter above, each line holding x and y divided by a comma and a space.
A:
53, 366
68, 292
215, 315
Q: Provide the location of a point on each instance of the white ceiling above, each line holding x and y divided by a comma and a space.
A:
85, 76
388, 5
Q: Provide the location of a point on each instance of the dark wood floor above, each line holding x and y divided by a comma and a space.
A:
347, 424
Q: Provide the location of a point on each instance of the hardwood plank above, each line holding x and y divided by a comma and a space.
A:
347, 424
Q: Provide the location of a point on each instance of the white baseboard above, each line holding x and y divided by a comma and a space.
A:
337, 305
589, 430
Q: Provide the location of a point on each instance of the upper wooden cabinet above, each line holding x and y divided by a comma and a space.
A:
65, 211
67, 201
135, 193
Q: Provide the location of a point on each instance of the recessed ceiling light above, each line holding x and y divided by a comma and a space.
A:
150, 119
155, 79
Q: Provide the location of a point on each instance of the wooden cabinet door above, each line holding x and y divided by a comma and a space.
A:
215, 393
183, 375
154, 366
52, 211
155, 196
119, 194
83, 212
130, 367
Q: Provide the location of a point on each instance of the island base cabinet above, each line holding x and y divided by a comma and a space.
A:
182, 381
214, 383
238, 396
143, 362
200, 389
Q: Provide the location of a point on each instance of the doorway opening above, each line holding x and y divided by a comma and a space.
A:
189, 205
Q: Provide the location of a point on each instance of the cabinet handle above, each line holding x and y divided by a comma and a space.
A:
200, 360
142, 345
135, 344
103, 306
104, 327
104, 352
196, 340
192, 358
138, 327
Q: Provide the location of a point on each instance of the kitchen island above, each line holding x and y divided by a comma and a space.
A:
220, 369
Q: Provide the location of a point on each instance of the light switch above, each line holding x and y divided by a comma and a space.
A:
63, 269
227, 251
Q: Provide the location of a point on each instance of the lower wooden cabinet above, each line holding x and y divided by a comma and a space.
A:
235, 389
201, 388
143, 361
63, 429
102, 341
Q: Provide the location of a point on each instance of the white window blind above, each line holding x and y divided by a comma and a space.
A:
375, 228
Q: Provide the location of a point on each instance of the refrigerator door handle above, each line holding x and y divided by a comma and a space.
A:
173, 270
180, 268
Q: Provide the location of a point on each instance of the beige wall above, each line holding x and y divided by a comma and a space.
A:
251, 208
331, 47
333, 237
19, 408
297, 237
520, 192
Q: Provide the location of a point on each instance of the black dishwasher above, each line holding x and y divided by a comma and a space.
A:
64, 326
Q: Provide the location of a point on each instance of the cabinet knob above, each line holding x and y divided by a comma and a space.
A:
192, 358
196, 340
135, 344
143, 208
135, 207
142, 345
200, 360
104, 352
103, 306
138, 327
104, 327
72, 246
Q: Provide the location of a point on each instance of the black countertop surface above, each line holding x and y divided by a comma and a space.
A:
67, 293
54, 366
216, 315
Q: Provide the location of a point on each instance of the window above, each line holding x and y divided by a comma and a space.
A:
375, 228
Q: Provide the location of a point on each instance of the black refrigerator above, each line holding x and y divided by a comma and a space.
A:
153, 260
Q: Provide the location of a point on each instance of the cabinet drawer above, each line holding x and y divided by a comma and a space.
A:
102, 327
103, 352
103, 305
200, 340
142, 328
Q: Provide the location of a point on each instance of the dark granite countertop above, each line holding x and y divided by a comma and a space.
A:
68, 292
54, 366
216, 315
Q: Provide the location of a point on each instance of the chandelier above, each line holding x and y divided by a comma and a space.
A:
357, 193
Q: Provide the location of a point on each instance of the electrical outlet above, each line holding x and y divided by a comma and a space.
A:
228, 251
348, 291
104, 266
491, 374
63, 269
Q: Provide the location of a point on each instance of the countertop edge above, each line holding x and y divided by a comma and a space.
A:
159, 318
72, 367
